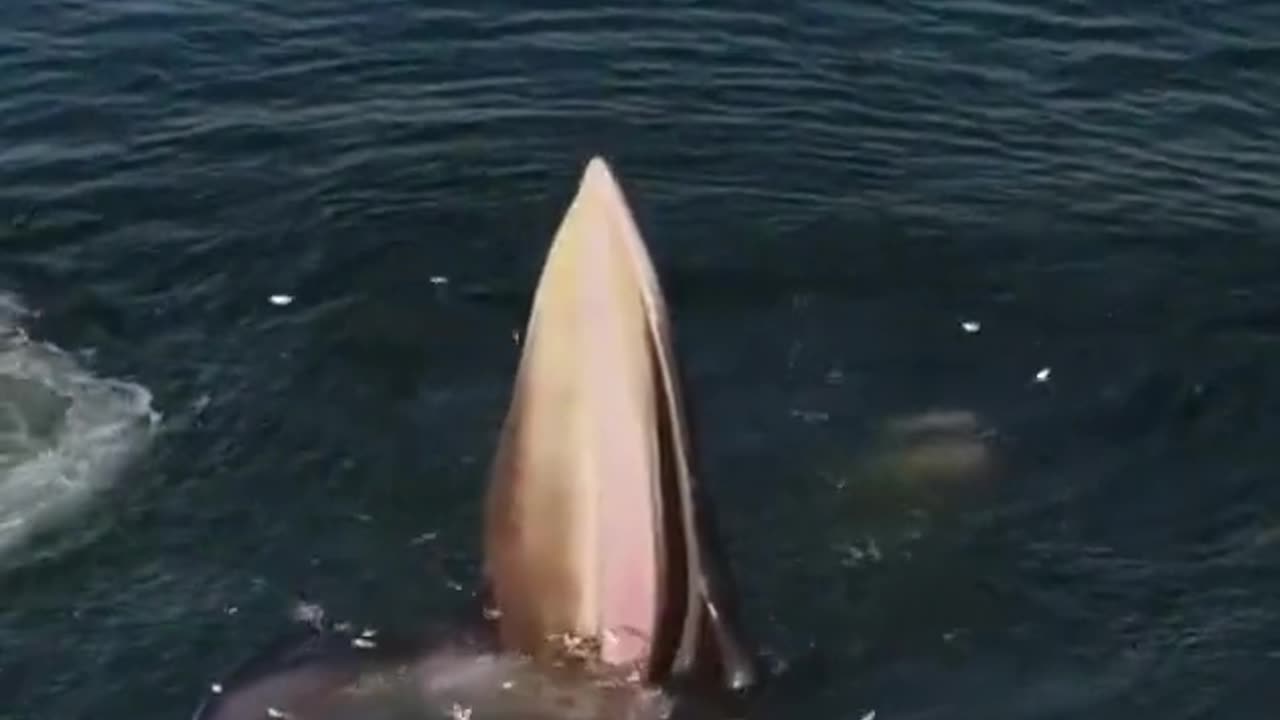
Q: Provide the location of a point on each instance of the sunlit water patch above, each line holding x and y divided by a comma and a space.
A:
65, 434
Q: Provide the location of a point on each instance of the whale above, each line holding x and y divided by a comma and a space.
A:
605, 591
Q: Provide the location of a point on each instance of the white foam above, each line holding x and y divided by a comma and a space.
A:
64, 433
507, 686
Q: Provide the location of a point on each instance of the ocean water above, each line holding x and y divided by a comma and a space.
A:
1051, 226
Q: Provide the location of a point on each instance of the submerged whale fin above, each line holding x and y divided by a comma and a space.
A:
595, 530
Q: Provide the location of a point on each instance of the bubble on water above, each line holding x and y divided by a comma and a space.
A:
425, 537
308, 612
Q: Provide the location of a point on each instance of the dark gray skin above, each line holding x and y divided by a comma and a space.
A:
606, 594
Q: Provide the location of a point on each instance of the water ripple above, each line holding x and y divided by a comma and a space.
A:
1139, 117
830, 186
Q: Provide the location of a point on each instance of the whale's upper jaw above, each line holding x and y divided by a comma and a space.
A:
592, 526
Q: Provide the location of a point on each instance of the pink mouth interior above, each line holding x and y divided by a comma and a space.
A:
623, 442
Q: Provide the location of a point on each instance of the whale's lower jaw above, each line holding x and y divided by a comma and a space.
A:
594, 530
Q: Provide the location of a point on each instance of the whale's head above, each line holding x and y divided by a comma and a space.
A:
598, 546
597, 541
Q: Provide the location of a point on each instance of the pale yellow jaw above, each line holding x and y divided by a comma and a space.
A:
590, 530
575, 545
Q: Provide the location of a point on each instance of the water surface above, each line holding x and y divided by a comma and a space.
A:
831, 190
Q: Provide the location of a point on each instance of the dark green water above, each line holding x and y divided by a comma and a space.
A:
830, 190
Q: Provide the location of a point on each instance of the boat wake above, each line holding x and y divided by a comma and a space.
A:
64, 434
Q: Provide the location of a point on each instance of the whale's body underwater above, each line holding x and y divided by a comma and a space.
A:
604, 587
